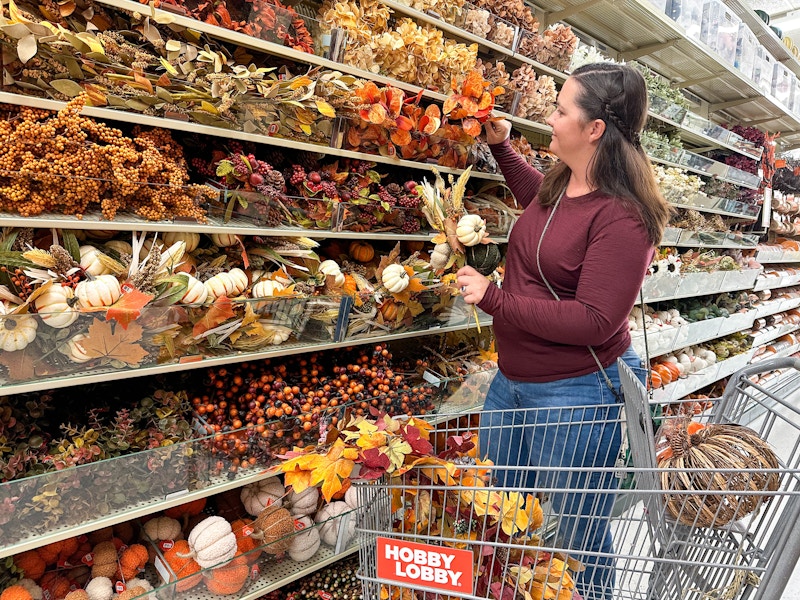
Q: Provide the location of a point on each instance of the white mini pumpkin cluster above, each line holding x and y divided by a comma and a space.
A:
692, 359
653, 321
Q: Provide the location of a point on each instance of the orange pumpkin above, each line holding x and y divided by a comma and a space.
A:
362, 252
350, 287
663, 370
244, 543
229, 578
195, 507
50, 552
16, 592
133, 559
673, 369
388, 310
655, 379
184, 568
31, 563
57, 585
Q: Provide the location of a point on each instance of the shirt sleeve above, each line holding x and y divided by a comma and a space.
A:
612, 274
523, 180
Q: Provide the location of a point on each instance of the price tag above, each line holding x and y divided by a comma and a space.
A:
119, 587
64, 564
122, 549
298, 525
47, 594
255, 572
324, 595
272, 129
88, 559
247, 530
166, 544
127, 287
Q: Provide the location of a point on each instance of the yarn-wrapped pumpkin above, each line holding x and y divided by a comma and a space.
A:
306, 541
31, 564
212, 542
183, 565
273, 528
15, 592
228, 578
105, 560
691, 464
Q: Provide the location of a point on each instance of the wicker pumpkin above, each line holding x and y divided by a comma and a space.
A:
704, 452
362, 252
484, 258
223, 240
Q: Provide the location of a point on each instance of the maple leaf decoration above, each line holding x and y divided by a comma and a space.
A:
20, 364
128, 307
374, 464
103, 340
215, 315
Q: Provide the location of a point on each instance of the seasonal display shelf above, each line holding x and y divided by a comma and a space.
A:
75, 376
666, 287
654, 39
788, 351
713, 239
140, 119
436, 21
770, 283
716, 211
461, 395
769, 334
695, 381
671, 339
779, 256
699, 138
696, 163
772, 307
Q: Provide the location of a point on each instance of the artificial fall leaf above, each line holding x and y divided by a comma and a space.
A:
217, 313
451, 103
470, 105
396, 451
404, 123
486, 101
513, 518
473, 85
534, 511
429, 125
387, 260
489, 355
96, 94
394, 100
401, 137
325, 109
333, 468
20, 364
414, 283
298, 468
143, 82
376, 114
103, 340
418, 444
128, 307
374, 464
369, 92
471, 127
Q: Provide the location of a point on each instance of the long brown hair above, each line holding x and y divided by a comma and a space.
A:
617, 94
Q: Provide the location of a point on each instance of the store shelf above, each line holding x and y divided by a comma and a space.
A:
772, 283
174, 124
722, 168
715, 211
774, 307
705, 377
770, 334
687, 285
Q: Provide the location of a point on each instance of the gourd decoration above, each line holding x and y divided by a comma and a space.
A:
224, 240
196, 291
99, 292
304, 503
470, 230
92, 261
100, 588
306, 541
440, 256
56, 306
273, 528
120, 247
389, 310
331, 517
191, 240
258, 495
230, 283
16, 592
185, 568
228, 578
484, 258
212, 542
331, 268
395, 278
104, 563
55, 585
16, 330
266, 288
362, 252
702, 451
31, 564
131, 561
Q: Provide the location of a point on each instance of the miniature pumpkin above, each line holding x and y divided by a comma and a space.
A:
331, 516
91, 261
185, 568
395, 278
196, 291
33, 588
231, 283
440, 256
388, 310
100, 588
74, 349
223, 240
664, 372
304, 503
228, 578
100, 234
362, 252
17, 331
50, 552
16, 592
99, 292
258, 495
470, 230
267, 288
332, 268
56, 306
212, 541
55, 584
244, 543
77, 595
275, 334
31, 564
351, 497
306, 541
131, 592
484, 258
105, 560
273, 527
194, 507
191, 240
162, 528
141, 583
132, 560
120, 247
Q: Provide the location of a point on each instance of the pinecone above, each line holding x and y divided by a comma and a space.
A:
394, 189
24, 239
275, 178
306, 289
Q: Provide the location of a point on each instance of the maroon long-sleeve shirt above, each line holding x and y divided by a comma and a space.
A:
595, 254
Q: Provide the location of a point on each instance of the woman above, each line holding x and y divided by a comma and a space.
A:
575, 262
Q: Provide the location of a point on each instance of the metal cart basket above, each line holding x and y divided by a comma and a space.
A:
474, 530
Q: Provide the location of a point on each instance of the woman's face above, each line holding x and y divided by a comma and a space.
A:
570, 127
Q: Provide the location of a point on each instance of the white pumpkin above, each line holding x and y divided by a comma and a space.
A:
212, 542
351, 496
305, 542
90, 261
17, 331
192, 240
440, 256
101, 234
101, 291
56, 306
196, 291
74, 349
257, 496
331, 518
470, 230
275, 334
304, 503
119, 247
395, 278
223, 240
100, 588
266, 288
163, 528
230, 283
331, 267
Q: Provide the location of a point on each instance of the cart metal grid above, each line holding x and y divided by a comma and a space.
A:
653, 557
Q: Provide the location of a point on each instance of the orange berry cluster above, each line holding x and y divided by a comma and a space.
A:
64, 162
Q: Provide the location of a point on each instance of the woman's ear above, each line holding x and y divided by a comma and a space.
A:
596, 129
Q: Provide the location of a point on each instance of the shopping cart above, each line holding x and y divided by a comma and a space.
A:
472, 530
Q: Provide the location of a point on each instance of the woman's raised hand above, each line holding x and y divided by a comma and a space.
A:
497, 131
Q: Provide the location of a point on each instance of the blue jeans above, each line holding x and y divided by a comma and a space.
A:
570, 423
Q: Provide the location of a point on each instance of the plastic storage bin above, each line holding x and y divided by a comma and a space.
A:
781, 83
762, 70
746, 44
689, 15
720, 29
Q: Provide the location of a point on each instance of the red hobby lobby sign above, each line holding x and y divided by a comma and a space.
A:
410, 563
